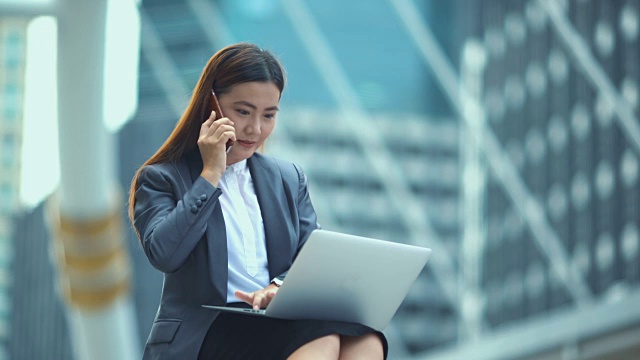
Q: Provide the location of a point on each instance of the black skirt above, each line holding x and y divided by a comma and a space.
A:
237, 336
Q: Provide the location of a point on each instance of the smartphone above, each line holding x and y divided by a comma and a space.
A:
218, 110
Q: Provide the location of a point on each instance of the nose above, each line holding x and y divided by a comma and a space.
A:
253, 125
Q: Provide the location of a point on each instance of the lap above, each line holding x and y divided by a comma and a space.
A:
236, 336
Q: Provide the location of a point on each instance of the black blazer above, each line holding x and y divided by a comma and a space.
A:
180, 222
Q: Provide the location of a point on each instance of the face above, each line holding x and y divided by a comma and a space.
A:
252, 107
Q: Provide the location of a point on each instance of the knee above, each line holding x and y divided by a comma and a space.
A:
330, 342
361, 347
327, 347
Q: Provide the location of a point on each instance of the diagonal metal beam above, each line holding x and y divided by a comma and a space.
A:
372, 144
589, 66
214, 25
156, 54
475, 118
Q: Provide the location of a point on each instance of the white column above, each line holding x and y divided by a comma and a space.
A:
87, 219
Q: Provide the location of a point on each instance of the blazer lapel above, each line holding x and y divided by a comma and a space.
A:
216, 235
267, 182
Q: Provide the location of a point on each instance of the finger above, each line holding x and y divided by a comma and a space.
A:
219, 123
224, 120
206, 125
223, 133
223, 129
216, 134
210, 119
246, 297
268, 297
226, 136
222, 139
257, 300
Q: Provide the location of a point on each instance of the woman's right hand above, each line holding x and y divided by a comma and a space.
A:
214, 135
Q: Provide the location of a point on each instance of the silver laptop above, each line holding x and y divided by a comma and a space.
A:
344, 277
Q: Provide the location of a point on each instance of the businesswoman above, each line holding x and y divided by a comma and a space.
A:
225, 226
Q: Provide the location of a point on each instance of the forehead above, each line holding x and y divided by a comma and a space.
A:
255, 91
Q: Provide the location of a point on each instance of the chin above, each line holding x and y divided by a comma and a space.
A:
238, 156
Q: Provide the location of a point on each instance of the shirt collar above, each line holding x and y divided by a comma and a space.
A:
238, 168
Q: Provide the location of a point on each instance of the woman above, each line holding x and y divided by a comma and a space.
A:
224, 226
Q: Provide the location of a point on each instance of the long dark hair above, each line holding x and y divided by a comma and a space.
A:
232, 65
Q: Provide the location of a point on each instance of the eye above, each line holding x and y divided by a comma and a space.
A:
270, 116
242, 112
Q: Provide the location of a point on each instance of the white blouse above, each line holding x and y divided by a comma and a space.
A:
246, 245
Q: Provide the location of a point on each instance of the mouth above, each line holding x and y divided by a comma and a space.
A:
246, 143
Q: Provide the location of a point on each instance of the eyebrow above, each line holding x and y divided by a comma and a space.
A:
246, 103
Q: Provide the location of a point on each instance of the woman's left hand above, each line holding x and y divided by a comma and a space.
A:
258, 299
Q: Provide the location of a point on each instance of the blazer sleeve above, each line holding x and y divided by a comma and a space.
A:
307, 217
171, 227
306, 213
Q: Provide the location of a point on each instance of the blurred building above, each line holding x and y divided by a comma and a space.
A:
559, 88
530, 202
12, 56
